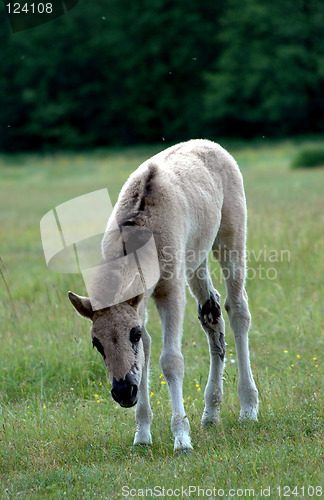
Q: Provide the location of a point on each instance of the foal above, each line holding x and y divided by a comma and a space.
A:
191, 198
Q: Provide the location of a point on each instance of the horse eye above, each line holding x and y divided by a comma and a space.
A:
135, 334
97, 344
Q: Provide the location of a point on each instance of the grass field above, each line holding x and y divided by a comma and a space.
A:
62, 436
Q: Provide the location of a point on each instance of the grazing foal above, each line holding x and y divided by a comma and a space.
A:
191, 198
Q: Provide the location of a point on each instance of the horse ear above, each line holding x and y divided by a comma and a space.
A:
82, 305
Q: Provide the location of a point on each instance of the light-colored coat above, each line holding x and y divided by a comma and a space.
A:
191, 197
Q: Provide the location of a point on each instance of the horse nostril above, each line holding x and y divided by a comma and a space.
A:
133, 391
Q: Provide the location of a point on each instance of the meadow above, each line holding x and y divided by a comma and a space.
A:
61, 434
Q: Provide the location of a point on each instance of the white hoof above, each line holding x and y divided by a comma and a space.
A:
182, 444
249, 414
142, 438
210, 417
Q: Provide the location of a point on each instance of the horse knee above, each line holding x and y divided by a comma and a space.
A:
209, 312
238, 313
172, 364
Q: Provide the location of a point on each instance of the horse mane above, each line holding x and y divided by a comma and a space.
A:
142, 199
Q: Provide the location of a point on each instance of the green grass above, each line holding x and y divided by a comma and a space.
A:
61, 435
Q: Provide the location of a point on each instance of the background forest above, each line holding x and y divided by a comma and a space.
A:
122, 73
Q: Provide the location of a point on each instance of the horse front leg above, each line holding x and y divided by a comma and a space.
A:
143, 413
171, 310
212, 322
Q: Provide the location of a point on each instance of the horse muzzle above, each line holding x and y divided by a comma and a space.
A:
125, 391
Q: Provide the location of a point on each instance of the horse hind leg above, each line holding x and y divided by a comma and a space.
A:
232, 262
212, 322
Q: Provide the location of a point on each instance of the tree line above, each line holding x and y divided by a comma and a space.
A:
117, 72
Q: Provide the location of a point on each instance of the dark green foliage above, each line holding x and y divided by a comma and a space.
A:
270, 76
120, 73
108, 72
309, 157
